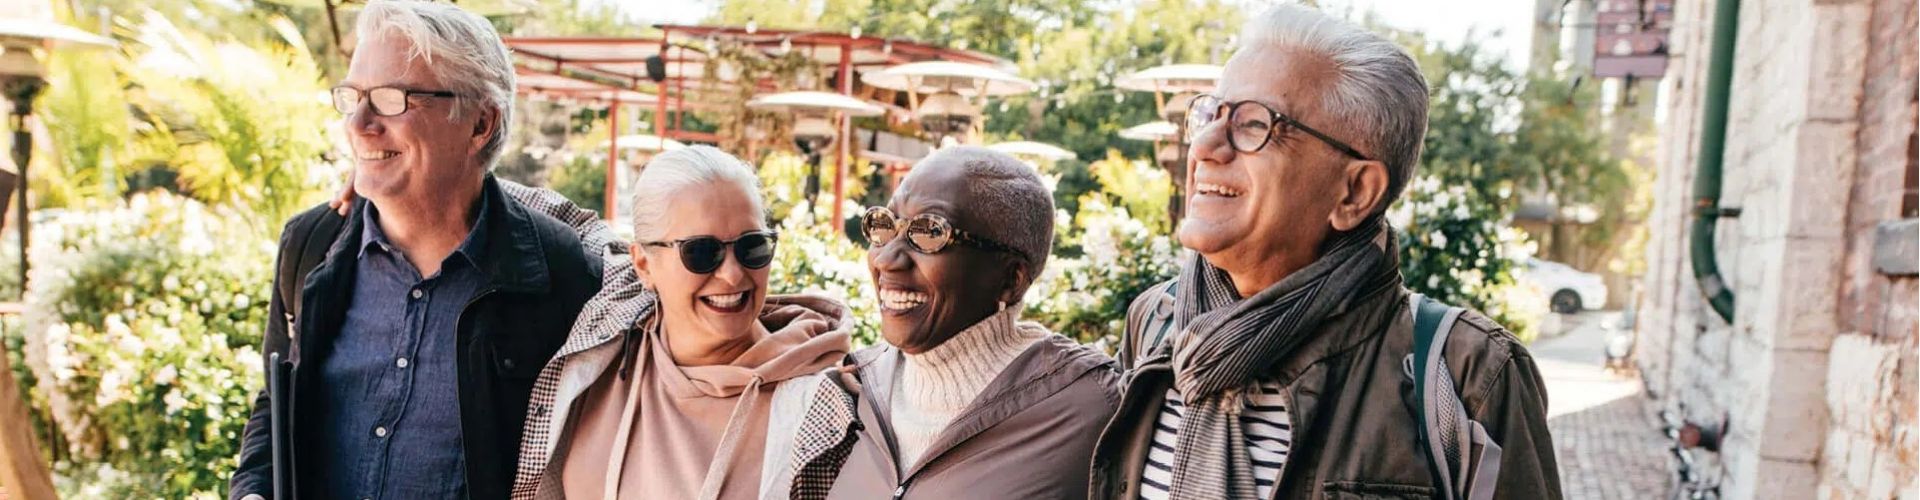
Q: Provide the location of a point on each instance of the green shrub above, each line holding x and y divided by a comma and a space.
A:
813, 258
1086, 296
1456, 247
583, 180
143, 326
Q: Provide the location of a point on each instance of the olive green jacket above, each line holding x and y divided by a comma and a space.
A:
1354, 434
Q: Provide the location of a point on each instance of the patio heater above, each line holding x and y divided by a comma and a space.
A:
950, 110
813, 126
27, 32
1174, 87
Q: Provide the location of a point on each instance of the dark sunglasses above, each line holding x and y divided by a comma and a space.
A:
704, 254
1252, 125
928, 233
387, 101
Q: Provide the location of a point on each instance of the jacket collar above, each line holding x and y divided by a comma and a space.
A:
1365, 318
515, 257
1049, 366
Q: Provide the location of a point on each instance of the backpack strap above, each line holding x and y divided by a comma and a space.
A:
1166, 322
305, 248
1149, 321
1464, 460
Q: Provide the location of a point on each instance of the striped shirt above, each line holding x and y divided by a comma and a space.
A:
1264, 422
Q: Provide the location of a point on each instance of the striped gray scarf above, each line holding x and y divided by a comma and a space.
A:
1229, 343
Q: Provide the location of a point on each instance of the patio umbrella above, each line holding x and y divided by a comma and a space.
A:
809, 100
1174, 78
933, 77
1151, 131
1037, 149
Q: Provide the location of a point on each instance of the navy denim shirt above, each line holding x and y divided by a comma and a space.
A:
390, 390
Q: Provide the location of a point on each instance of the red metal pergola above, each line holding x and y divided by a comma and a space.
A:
614, 72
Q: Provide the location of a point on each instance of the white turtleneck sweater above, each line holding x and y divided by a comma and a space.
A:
936, 385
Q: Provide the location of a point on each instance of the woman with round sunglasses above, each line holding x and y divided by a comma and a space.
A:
684, 378
964, 400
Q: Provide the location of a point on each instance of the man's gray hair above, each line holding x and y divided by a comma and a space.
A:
682, 169
1379, 94
1007, 195
461, 49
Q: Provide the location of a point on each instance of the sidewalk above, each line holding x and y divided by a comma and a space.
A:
1608, 441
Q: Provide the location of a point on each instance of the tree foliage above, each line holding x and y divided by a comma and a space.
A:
223, 121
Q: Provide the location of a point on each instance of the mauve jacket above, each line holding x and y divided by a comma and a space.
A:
1029, 434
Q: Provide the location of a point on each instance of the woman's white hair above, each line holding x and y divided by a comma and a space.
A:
1379, 95
461, 49
683, 169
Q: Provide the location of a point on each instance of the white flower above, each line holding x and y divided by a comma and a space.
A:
1437, 239
59, 358
167, 375
175, 402
112, 388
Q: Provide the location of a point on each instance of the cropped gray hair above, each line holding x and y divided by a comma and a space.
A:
1005, 193
461, 49
1379, 93
680, 170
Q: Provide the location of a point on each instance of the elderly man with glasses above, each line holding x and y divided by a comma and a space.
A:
415, 324
1280, 364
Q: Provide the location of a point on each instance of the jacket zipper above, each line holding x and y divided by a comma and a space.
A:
1293, 420
459, 321
1130, 489
901, 491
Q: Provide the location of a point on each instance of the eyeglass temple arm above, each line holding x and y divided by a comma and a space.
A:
1341, 146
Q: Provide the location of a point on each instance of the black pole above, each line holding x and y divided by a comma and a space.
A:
21, 91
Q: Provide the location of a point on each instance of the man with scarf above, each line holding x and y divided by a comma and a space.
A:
1272, 367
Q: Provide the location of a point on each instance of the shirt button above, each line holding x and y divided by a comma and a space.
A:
402, 362
417, 293
380, 431
508, 363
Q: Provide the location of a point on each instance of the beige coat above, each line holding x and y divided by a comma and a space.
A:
1029, 434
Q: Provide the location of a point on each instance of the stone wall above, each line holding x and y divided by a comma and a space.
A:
1814, 377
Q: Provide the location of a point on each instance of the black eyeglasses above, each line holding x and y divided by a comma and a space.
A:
704, 254
387, 101
1251, 125
928, 233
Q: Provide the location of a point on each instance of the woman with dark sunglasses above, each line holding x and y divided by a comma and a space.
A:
684, 378
964, 400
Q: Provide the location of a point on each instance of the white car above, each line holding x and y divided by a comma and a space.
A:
1568, 290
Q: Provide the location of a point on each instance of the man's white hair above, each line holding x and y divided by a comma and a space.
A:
1379, 95
682, 169
1004, 193
461, 49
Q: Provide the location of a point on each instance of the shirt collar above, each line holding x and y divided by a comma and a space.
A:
473, 248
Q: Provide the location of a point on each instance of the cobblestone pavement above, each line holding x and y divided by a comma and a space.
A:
1604, 429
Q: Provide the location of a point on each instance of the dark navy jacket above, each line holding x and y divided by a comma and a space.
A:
539, 276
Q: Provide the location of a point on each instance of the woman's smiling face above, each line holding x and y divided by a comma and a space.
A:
926, 298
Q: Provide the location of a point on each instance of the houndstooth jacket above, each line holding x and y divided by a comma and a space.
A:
811, 421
